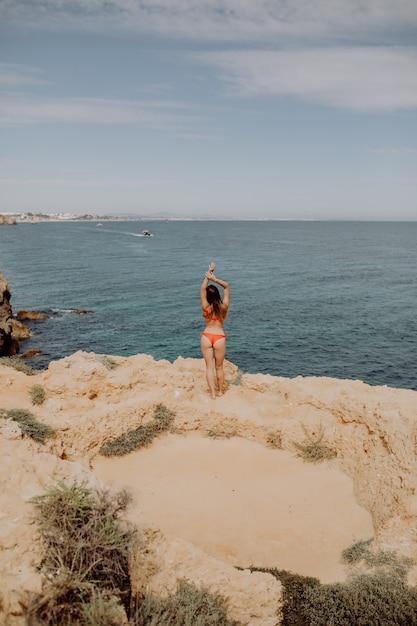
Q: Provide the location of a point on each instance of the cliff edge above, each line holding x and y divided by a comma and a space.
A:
93, 399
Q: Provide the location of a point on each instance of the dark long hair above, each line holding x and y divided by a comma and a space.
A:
217, 307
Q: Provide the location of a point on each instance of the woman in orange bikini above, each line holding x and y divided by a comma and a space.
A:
213, 339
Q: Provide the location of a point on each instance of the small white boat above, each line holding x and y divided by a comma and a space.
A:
99, 224
146, 233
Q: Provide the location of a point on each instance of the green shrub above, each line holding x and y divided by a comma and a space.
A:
86, 558
356, 552
383, 560
128, 442
29, 425
142, 436
37, 394
162, 419
189, 606
294, 588
365, 600
312, 448
373, 599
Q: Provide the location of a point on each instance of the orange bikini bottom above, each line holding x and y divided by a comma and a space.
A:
213, 338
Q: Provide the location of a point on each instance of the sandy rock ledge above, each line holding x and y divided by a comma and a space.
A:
91, 399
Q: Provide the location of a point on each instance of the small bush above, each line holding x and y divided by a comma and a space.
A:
130, 441
382, 560
142, 436
356, 552
17, 364
86, 557
238, 379
67, 603
376, 599
86, 566
294, 588
217, 433
274, 440
37, 394
189, 606
29, 425
105, 360
162, 418
312, 449
366, 600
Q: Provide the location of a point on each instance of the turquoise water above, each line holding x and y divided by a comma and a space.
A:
307, 298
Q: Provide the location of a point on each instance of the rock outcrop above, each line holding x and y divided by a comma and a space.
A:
11, 330
8, 219
91, 399
31, 315
9, 345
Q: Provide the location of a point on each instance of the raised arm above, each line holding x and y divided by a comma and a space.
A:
209, 276
203, 291
226, 289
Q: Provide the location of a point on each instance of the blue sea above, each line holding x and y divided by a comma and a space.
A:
307, 298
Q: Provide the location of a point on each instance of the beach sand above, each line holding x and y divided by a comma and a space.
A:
244, 504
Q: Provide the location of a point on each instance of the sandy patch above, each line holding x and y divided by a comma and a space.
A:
244, 503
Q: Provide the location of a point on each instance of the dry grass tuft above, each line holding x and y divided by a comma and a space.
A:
17, 364
312, 449
218, 433
107, 361
189, 606
37, 394
274, 439
238, 379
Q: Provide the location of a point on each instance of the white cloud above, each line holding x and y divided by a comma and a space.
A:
229, 20
394, 152
197, 137
104, 183
308, 52
14, 75
357, 78
21, 111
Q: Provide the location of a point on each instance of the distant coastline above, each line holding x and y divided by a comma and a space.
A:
35, 218
13, 218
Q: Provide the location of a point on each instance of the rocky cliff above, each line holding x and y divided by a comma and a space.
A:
8, 219
8, 344
92, 399
11, 330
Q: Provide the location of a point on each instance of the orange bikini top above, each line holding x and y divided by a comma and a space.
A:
206, 315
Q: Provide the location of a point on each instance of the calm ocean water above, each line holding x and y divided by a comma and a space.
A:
307, 298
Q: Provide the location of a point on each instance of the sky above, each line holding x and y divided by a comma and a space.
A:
251, 109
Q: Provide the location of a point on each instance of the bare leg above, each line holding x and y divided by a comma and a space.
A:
219, 354
207, 352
